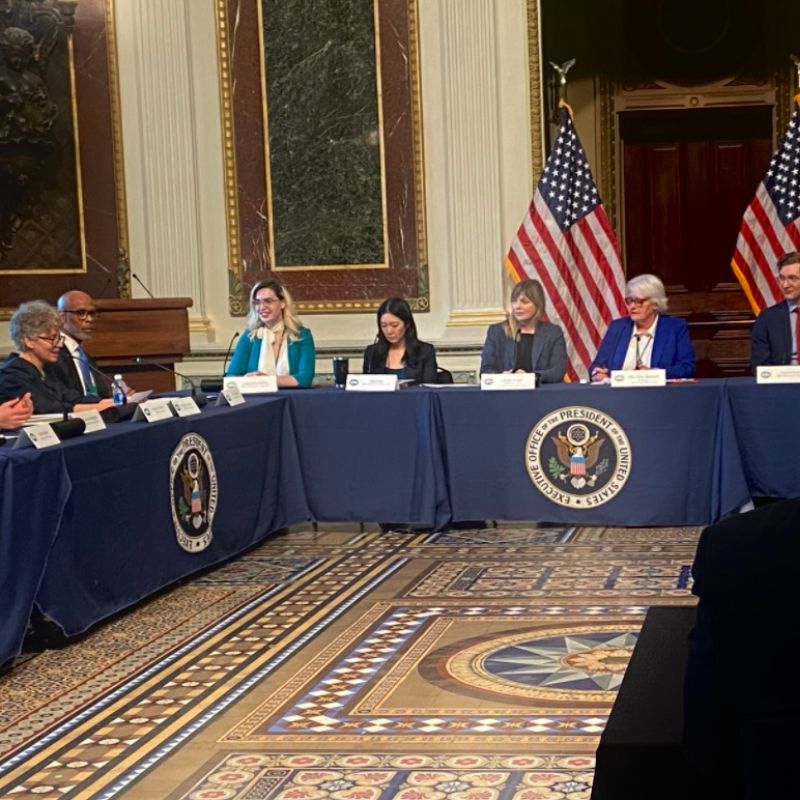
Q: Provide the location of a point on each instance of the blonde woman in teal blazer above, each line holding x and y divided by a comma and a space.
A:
272, 323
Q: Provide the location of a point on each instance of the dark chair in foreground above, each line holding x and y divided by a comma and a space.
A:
641, 750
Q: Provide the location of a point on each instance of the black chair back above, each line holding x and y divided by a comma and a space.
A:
443, 375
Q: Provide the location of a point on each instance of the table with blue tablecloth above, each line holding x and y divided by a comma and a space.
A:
371, 456
763, 418
670, 454
88, 527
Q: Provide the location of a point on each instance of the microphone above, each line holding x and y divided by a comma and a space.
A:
199, 397
641, 351
216, 384
516, 350
139, 281
105, 269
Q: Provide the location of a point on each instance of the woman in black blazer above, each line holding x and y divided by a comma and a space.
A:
396, 350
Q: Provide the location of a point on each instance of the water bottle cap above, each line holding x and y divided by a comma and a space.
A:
118, 377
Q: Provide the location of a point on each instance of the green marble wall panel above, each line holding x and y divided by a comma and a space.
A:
324, 139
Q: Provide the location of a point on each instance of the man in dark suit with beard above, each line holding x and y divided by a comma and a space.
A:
75, 368
741, 706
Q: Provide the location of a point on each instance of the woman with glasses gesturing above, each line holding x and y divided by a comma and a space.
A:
274, 342
35, 329
647, 338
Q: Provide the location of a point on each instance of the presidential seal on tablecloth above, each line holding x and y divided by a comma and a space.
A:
193, 492
578, 456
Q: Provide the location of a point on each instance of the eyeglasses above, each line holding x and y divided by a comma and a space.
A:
57, 338
789, 279
82, 313
270, 301
635, 301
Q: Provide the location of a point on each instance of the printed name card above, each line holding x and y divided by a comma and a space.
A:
94, 422
637, 378
778, 374
230, 395
508, 381
253, 384
40, 436
371, 383
184, 406
153, 410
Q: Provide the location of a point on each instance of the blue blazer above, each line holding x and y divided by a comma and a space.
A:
771, 337
301, 356
672, 347
548, 357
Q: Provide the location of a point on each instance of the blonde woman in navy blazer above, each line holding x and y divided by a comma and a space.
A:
525, 342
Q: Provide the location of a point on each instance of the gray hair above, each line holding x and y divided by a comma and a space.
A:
650, 287
31, 320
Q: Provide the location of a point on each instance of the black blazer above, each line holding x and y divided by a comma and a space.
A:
740, 714
423, 371
18, 376
65, 371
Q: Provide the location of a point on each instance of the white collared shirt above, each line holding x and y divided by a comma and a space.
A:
645, 343
73, 346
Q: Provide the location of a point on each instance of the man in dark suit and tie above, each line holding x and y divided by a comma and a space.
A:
775, 331
741, 705
75, 368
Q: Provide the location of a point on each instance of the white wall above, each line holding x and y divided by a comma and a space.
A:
476, 121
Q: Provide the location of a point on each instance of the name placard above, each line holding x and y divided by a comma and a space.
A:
371, 383
230, 396
184, 406
253, 384
638, 378
94, 422
153, 410
38, 436
508, 382
787, 374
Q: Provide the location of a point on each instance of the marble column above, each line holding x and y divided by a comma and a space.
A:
485, 121
162, 167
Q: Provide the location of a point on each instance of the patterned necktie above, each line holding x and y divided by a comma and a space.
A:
86, 372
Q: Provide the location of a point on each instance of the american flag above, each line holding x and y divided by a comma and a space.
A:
566, 242
770, 226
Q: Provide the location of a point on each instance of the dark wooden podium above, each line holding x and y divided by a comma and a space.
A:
155, 330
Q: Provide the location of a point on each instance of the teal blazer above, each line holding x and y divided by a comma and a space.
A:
301, 356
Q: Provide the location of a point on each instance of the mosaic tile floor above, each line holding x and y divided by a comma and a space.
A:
351, 665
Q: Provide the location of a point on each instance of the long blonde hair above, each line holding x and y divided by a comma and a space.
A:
532, 289
290, 319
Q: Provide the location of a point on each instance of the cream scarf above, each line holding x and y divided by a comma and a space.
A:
267, 364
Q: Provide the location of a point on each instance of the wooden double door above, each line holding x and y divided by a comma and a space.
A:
687, 178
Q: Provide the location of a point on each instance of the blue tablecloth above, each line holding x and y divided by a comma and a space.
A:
763, 418
371, 456
102, 535
684, 465
86, 527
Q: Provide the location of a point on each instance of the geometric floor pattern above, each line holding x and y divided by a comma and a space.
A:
351, 664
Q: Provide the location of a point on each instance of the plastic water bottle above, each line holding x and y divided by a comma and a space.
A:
120, 391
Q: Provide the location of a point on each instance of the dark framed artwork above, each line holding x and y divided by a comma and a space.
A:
62, 209
322, 133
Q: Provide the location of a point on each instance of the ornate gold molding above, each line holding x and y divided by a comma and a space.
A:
228, 154
123, 267
535, 87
